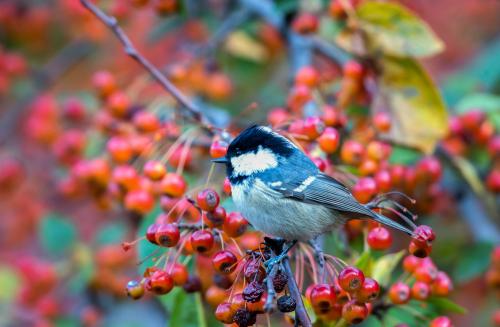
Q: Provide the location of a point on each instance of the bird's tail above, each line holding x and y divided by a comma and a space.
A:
391, 223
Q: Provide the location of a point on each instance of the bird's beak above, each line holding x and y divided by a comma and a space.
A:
221, 160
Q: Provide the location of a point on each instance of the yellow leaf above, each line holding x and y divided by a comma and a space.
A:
239, 44
384, 266
419, 117
391, 29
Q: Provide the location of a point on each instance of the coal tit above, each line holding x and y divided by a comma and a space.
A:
281, 191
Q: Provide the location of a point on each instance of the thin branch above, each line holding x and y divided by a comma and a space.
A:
330, 50
300, 310
271, 293
112, 23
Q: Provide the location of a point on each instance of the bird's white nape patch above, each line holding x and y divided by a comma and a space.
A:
253, 162
305, 184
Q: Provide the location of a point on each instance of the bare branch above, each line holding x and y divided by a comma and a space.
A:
111, 22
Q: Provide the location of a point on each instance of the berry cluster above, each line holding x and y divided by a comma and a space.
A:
471, 131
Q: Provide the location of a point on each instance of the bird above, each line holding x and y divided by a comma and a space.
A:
282, 193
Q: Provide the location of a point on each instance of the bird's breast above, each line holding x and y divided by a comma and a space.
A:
270, 212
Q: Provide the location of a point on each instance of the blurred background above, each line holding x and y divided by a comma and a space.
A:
61, 263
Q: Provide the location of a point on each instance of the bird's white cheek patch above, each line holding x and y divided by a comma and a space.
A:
250, 163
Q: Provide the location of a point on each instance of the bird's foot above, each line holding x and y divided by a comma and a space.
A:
269, 264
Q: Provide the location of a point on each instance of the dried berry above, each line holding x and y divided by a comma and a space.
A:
279, 281
286, 303
244, 318
253, 291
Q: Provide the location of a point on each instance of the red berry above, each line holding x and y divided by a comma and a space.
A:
442, 285
420, 249
225, 262
382, 122
329, 140
154, 170
322, 297
354, 312
167, 235
383, 180
218, 149
351, 279
118, 104
308, 76
173, 185
119, 149
365, 189
494, 146
336, 10
104, 82
135, 290
399, 293
410, 263
352, 152
379, 238
313, 127
227, 186
426, 272
429, 169
369, 291
179, 274
305, 23
235, 224
333, 117
139, 201
353, 69
493, 181
208, 199
420, 291
151, 233
202, 241
216, 217
160, 282
225, 313
441, 321
278, 116
471, 120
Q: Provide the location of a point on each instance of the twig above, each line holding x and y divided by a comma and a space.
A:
271, 293
473, 204
112, 23
320, 257
300, 310
330, 50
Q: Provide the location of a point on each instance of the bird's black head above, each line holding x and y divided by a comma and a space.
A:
254, 150
259, 136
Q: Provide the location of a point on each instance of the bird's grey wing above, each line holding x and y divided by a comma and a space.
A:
324, 190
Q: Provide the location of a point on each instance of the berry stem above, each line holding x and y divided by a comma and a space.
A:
300, 311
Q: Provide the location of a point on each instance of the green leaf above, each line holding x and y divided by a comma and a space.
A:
419, 117
474, 261
404, 156
84, 262
9, 284
444, 305
112, 233
181, 308
393, 30
383, 267
57, 234
365, 262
